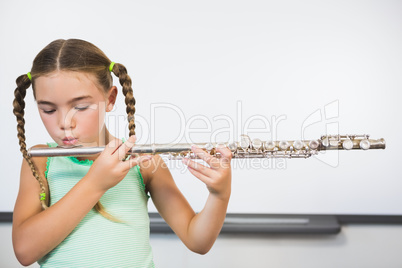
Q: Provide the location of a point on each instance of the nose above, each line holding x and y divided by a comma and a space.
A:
67, 120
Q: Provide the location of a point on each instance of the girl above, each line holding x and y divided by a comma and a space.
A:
54, 222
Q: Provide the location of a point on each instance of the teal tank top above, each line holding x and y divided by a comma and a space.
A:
97, 241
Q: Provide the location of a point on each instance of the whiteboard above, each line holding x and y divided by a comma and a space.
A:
213, 70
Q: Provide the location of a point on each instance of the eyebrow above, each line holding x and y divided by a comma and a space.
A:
69, 102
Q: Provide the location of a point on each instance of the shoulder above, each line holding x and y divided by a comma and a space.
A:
40, 146
153, 169
40, 162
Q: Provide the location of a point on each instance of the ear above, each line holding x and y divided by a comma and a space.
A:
111, 98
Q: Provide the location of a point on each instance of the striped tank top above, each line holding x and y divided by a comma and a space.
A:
97, 241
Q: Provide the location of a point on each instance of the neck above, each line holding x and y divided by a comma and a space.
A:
104, 138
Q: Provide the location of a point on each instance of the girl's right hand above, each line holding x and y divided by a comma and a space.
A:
111, 166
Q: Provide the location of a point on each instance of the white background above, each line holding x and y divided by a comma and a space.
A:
244, 61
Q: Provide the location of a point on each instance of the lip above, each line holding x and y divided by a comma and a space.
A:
69, 141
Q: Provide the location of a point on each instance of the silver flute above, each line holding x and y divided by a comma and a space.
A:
245, 148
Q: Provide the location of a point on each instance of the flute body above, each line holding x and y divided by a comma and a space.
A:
246, 148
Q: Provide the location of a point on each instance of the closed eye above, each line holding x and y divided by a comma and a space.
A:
49, 111
81, 108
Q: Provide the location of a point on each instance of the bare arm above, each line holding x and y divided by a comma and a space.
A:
37, 231
197, 231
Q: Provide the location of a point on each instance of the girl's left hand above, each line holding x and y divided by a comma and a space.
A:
218, 175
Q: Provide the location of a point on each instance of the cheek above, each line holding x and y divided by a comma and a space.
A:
49, 122
90, 120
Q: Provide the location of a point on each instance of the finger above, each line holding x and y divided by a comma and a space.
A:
224, 151
200, 176
198, 167
136, 161
202, 154
125, 147
226, 154
112, 146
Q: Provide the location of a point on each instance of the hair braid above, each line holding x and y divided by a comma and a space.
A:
23, 83
121, 72
125, 81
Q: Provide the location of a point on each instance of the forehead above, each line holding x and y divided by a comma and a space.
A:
62, 86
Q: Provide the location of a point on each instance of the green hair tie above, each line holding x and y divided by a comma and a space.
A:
111, 66
42, 196
29, 76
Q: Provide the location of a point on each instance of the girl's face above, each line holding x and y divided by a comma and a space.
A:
73, 108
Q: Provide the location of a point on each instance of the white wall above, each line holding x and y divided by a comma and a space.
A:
368, 246
297, 69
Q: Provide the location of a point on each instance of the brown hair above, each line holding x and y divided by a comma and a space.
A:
70, 55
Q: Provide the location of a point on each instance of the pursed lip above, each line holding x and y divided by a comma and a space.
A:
69, 141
